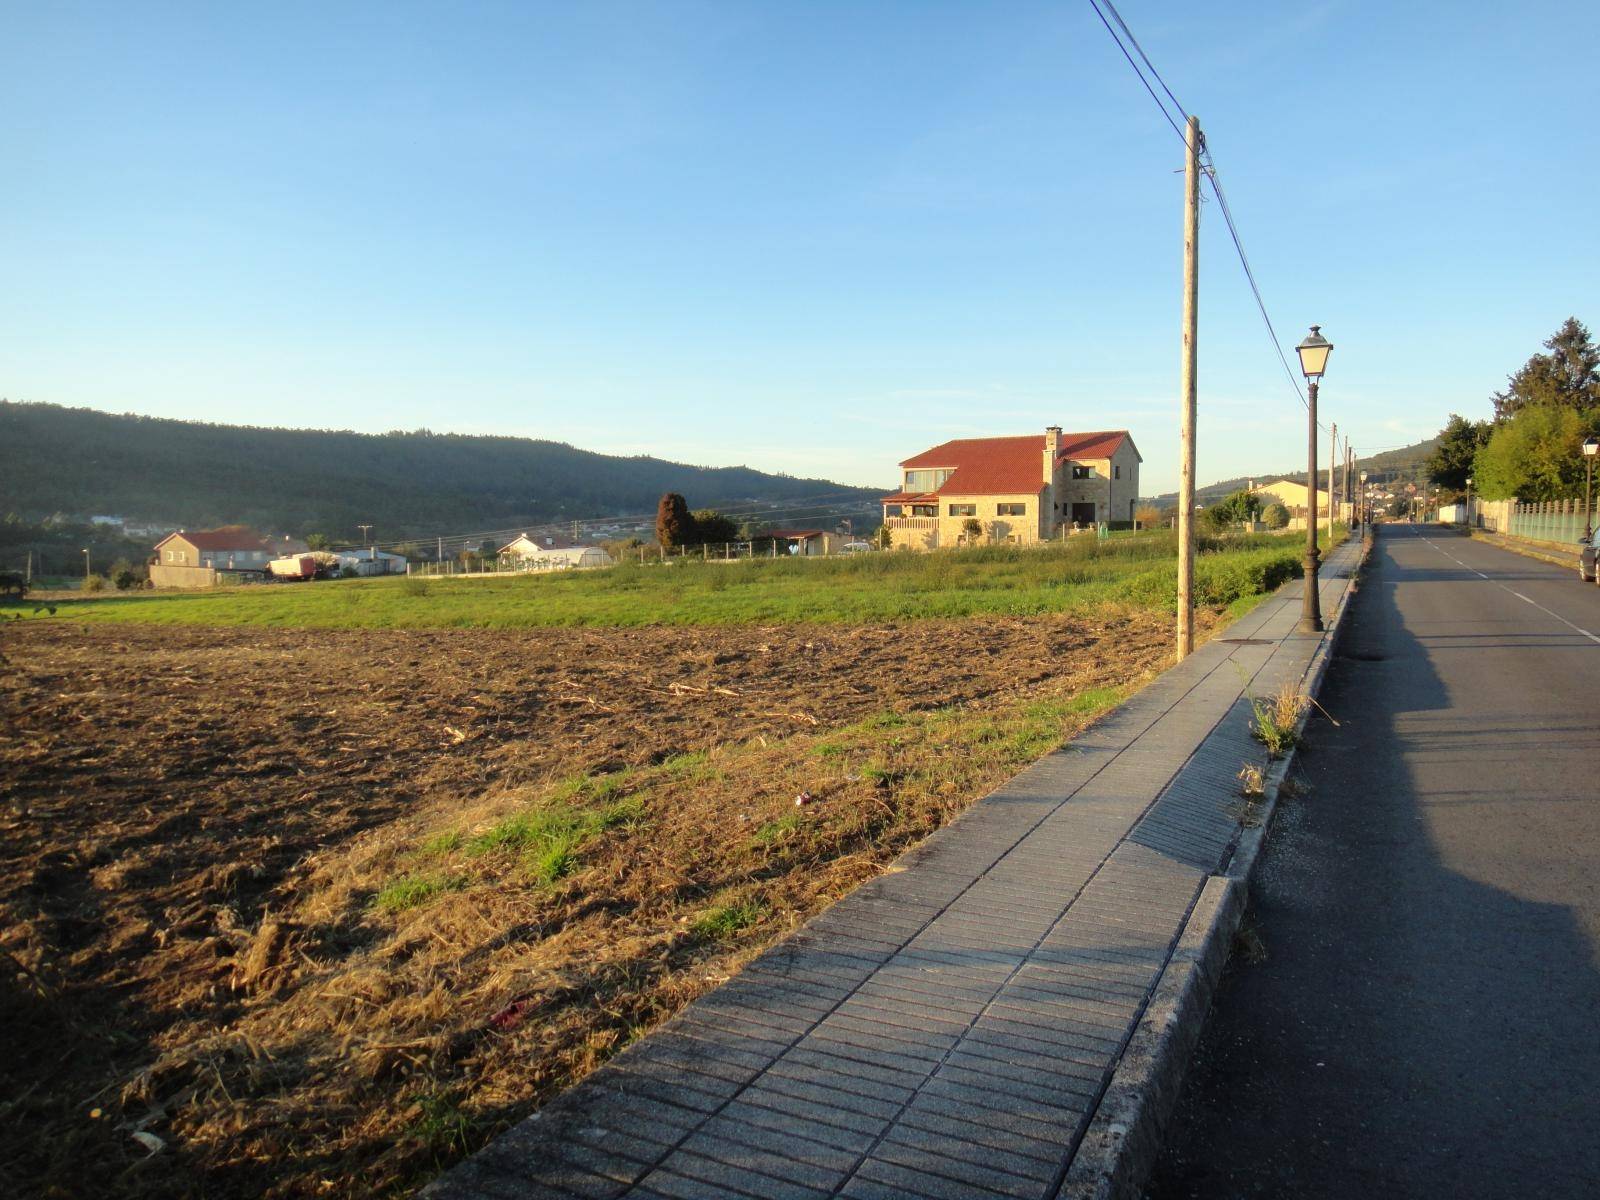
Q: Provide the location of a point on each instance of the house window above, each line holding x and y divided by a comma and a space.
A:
928, 479
1083, 472
1010, 510
169, 555
963, 510
1116, 471
891, 510
924, 510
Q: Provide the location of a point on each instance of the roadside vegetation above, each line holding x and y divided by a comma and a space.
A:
1082, 574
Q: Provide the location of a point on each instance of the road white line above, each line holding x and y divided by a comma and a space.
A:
1518, 595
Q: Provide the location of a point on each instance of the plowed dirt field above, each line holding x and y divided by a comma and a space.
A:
284, 914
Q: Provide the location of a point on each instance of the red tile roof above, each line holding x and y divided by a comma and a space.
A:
1001, 465
217, 539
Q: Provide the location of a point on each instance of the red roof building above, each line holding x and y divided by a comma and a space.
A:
1027, 488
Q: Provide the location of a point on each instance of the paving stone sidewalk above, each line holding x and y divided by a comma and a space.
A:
947, 1029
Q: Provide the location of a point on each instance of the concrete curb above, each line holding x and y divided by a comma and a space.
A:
1128, 1130
1560, 558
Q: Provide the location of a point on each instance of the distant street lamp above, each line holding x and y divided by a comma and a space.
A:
86, 564
1313, 353
1469, 501
1591, 446
1366, 501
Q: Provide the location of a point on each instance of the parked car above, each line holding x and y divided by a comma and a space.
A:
1587, 558
857, 547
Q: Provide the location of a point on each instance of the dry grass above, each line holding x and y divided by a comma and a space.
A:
1277, 718
336, 991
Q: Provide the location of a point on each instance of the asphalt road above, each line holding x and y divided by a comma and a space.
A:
1426, 1019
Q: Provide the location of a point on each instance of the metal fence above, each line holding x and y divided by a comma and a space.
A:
1548, 521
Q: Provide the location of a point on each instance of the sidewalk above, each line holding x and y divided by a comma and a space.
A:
948, 1029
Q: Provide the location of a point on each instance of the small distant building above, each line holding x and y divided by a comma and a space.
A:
547, 552
193, 558
806, 542
370, 562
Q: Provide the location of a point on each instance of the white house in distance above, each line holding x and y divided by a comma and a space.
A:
1017, 489
550, 553
370, 562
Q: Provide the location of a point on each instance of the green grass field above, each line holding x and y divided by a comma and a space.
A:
999, 580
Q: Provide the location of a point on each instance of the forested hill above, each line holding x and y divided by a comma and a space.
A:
78, 461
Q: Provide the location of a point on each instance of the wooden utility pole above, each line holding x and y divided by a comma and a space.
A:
1333, 458
1349, 457
1191, 322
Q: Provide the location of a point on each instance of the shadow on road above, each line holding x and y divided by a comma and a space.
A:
1423, 1022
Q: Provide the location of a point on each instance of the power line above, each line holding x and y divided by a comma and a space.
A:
1210, 168
1249, 274
1095, 4
1123, 25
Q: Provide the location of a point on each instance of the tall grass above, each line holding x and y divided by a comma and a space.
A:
1001, 580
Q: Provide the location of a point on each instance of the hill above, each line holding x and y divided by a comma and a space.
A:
152, 470
1404, 463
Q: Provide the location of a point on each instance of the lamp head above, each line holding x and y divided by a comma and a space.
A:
1591, 446
1313, 352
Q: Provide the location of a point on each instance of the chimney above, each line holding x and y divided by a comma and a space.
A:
1052, 447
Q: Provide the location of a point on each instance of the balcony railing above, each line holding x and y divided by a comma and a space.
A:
922, 523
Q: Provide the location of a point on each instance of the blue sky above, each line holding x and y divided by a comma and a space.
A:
813, 238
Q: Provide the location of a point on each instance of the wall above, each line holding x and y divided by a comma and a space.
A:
162, 575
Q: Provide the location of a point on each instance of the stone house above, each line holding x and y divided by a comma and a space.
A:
1030, 488
231, 549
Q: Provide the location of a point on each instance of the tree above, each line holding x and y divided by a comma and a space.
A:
884, 538
1275, 516
674, 522
1567, 377
1147, 516
1240, 507
1535, 455
711, 526
1459, 443
316, 541
973, 528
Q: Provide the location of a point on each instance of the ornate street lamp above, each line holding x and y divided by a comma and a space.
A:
1313, 351
1591, 447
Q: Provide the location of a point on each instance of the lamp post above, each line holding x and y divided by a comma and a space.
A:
1591, 447
1366, 502
86, 564
1313, 351
1469, 501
